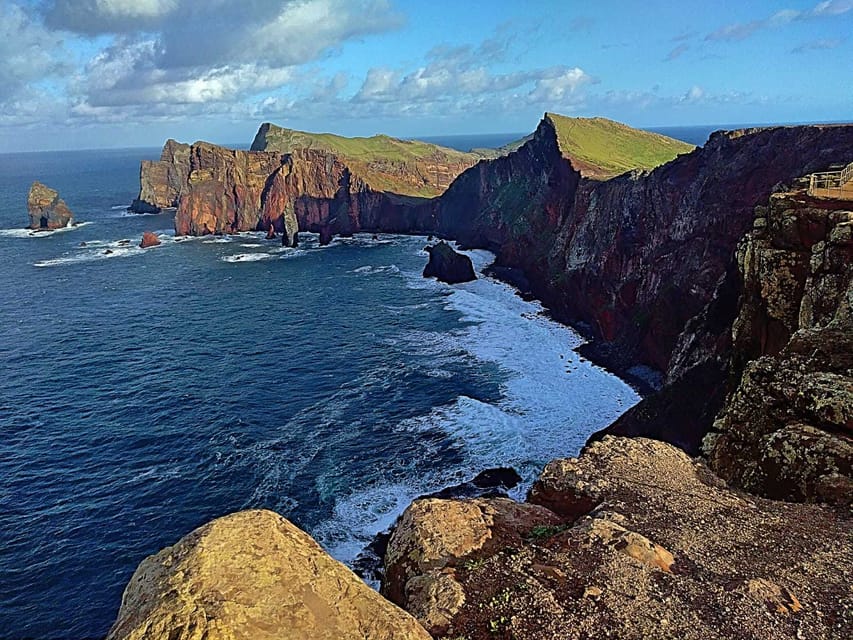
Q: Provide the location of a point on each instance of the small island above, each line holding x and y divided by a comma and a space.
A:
47, 210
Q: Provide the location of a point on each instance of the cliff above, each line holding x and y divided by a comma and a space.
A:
405, 167
220, 190
643, 261
787, 429
46, 209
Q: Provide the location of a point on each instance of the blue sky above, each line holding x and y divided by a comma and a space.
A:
106, 73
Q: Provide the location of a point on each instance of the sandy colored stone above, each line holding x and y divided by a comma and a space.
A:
252, 575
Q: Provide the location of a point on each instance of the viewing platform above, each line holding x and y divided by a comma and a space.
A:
837, 185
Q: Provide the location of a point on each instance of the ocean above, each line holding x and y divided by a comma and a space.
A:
145, 392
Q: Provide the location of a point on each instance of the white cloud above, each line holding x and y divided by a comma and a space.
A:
743, 30
28, 51
559, 86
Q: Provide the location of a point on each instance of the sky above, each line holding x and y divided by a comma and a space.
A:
122, 73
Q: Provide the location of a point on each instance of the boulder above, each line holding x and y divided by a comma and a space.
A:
253, 575
47, 210
149, 239
447, 265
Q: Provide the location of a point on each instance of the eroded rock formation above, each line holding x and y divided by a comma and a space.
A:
645, 543
46, 209
787, 430
448, 265
253, 575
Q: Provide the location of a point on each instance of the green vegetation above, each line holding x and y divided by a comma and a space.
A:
601, 148
380, 148
543, 532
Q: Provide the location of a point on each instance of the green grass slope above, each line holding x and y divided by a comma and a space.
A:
601, 148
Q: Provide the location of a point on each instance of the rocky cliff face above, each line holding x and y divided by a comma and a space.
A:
643, 260
46, 209
219, 190
637, 256
162, 181
787, 430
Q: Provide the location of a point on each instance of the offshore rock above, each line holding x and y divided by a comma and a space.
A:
252, 575
787, 430
448, 265
46, 209
149, 239
648, 544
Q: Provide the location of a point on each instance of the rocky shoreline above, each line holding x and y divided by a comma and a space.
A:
708, 268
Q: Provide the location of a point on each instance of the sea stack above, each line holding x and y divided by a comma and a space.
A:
149, 239
447, 265
47, 210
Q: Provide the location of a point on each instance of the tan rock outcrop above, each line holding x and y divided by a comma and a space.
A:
47, 210
253, 575
433, 536
666, 550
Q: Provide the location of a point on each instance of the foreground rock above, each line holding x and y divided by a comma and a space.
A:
47, 210
253, 575
787, 430
448, 265
149, 239
633, 539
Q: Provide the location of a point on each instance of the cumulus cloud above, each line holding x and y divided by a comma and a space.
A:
29, 52
742, 30
191, 53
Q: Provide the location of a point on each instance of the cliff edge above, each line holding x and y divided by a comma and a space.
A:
252, 575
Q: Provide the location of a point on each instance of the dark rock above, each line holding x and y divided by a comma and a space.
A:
326, 235
786, 431
149, 239
46, 209
447, 265
271, 233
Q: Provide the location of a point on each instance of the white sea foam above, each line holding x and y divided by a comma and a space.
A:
247, 257
371, 269
30, 233
550, 402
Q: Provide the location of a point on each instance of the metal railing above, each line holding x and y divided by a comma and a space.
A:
830, 180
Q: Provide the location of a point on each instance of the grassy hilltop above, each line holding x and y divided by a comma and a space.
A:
405, 167
602, 148
597, 147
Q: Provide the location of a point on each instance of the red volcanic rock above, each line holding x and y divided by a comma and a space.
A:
271, 235
149, 239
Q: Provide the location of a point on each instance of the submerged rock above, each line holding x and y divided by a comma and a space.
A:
447, 265
253, 575
149, 239
47, 210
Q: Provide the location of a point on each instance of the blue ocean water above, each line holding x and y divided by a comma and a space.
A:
145, 392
